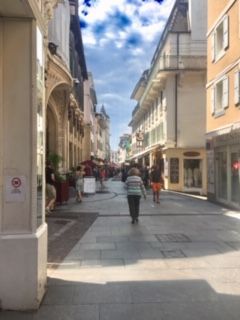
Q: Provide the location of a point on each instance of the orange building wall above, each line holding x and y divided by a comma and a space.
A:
215, 69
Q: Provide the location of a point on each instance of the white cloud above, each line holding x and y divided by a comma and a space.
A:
118, 54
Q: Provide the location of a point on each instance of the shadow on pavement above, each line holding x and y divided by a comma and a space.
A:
135, 300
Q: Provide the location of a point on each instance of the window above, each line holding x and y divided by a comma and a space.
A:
219, 96
220, 39
237, 87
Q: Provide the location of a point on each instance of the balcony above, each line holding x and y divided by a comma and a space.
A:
183, 62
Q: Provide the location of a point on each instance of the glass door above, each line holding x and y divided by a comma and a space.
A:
221, 174
235, 175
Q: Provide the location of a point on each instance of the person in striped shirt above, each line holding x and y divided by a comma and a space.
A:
135, 188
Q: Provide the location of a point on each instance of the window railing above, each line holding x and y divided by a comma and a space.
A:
182, 62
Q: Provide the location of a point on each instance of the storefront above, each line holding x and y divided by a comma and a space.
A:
185, 170
224, 161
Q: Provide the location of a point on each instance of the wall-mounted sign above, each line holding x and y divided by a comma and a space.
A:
139, 136
191, 154
15, 188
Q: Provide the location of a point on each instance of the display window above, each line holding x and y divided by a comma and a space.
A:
192, 173
235, 175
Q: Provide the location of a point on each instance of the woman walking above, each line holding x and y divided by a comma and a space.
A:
79, 183
135, 188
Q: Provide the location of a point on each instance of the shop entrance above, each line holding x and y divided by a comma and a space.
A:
192, 173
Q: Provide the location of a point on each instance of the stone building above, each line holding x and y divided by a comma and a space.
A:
90, 136
44, 66
23, 231
102, 127
66, 73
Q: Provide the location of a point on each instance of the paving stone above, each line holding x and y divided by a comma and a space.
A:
102, 263
120, 254
105, 293
173, 253
59, 295
131, 311
8, 315
83, 312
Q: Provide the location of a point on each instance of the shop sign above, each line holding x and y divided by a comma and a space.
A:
15, 188
89, 185
139, 136
231, 138
191, 154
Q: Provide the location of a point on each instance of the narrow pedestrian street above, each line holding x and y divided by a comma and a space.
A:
181, 261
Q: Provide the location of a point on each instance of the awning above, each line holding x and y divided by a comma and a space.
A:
145, 152
223, 130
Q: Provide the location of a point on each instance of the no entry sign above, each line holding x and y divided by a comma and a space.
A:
15, 188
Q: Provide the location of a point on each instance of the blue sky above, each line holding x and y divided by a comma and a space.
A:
120, 37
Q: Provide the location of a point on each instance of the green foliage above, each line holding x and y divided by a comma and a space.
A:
55, 160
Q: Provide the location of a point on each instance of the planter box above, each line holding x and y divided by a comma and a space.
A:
62, 188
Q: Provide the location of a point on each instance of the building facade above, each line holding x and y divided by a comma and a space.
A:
223, 102
23, 231
168, 123
42, 53
65, 75
90, 102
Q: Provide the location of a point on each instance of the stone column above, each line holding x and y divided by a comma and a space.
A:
23, 231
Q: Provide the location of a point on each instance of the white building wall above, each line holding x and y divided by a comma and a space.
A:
198, 19
191, 111
59, 28
169, 95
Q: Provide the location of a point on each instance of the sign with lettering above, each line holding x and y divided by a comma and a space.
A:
15, 188
89, 185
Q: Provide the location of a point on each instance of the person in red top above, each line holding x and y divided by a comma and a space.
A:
156, 183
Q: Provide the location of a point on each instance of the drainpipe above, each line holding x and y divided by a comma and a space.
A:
176, 109
176, 95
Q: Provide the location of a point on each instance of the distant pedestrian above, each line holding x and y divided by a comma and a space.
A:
156, 183
145, 176
51, 193
79, 183
135, 188
102, 175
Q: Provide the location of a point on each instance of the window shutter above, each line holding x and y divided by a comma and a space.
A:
213, 100
225, 93
237, 87
213, 45
225, 32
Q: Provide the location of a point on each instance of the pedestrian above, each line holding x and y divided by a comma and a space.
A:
79, 183
135, 188
156, 183
51, 193
145, 176
102, 175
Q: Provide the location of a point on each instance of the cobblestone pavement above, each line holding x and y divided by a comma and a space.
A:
180, 262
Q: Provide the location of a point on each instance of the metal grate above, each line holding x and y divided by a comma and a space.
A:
173, 237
